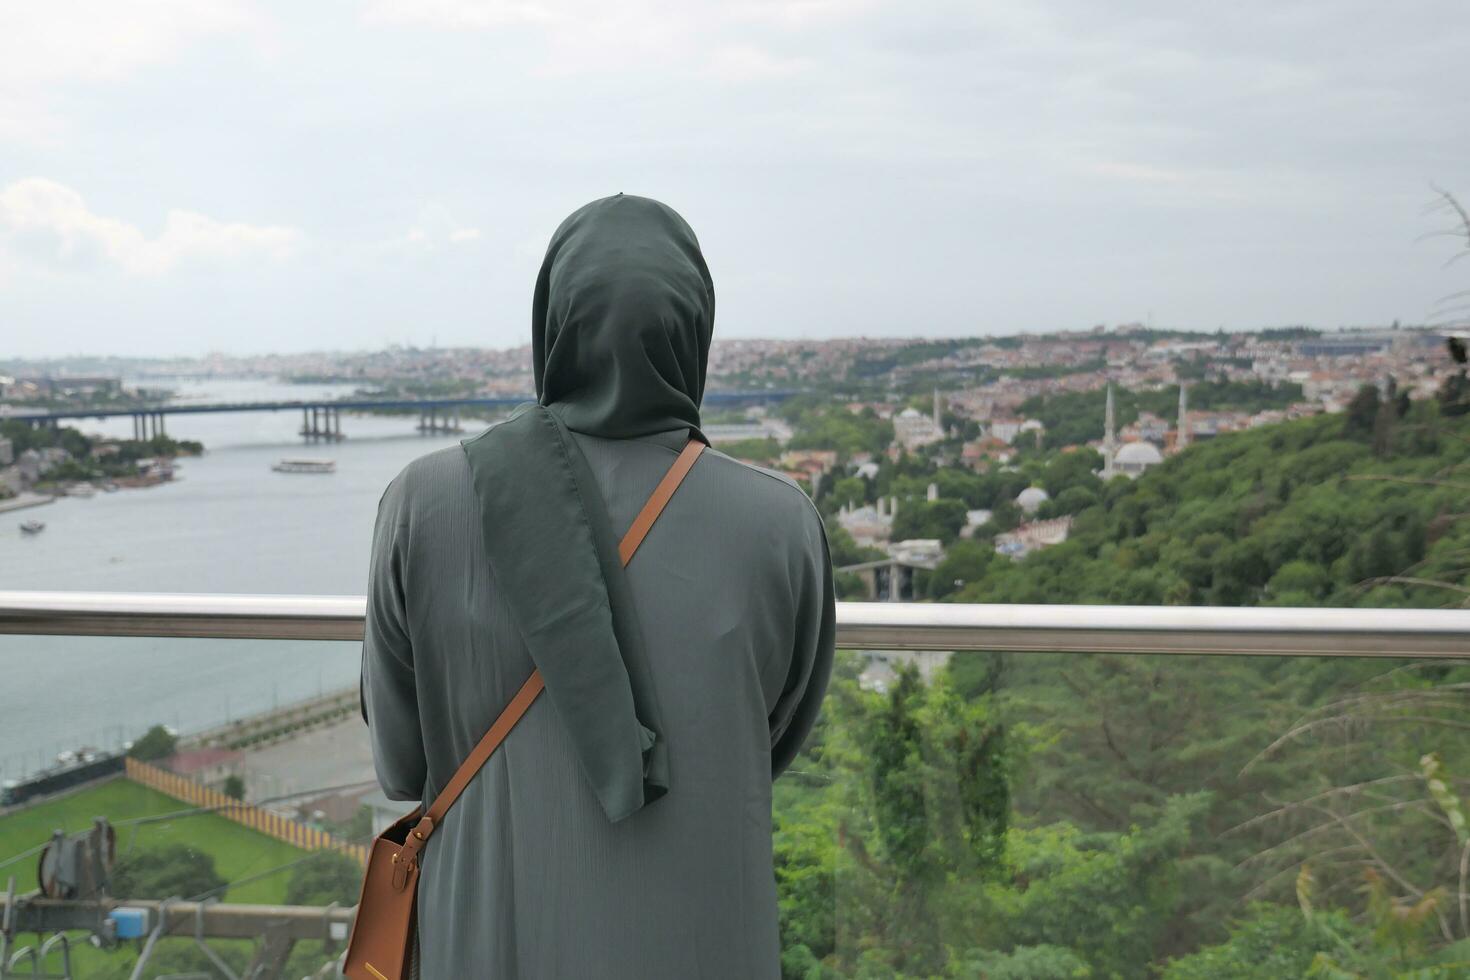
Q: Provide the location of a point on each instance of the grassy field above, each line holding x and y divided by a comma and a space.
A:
238, 852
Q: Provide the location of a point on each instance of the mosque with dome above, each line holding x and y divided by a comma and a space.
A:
1131, 459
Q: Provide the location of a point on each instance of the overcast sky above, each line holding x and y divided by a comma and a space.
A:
180, 176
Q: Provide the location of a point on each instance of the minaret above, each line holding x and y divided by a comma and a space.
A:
1183, 437
1110, 440
938, 423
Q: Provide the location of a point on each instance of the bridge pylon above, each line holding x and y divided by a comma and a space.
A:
147, 426
430, 420
321, 422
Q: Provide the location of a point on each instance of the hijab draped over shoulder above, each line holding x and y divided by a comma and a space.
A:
621, 325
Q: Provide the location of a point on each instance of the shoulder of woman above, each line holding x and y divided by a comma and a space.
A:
772, 491
430, 474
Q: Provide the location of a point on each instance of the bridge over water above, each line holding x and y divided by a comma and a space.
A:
322, 418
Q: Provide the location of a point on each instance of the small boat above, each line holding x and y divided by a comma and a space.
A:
303, 465
32, 527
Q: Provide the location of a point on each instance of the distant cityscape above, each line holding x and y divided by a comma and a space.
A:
963, 403
984, 372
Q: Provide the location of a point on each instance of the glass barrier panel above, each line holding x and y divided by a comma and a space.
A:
222, 770
980, 815
1063, 815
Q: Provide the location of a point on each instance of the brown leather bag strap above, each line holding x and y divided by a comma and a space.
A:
659, 499
534, 684
489, 742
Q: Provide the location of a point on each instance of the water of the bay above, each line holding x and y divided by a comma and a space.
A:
228, 523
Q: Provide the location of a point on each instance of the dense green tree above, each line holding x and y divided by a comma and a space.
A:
834, 427
1107, 897
1006, 515
1454, 394
165, 871
1073, 470
964, 562
1024, 963
1274, 941
1362, 413
323, 878
82, 466
24, 436
1298, 583
762, 451
925, 778
850, 490
846, 551
1271, 942
940, 519
156, 743
1072, 500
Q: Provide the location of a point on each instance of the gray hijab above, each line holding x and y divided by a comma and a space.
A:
621, 325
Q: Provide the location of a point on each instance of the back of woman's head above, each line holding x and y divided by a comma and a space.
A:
622, 318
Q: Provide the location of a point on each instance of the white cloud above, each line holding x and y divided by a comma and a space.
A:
586, 36
23, 120
745, 62
52, 224
436, 225
471, 14
44, 45
646, 15
796, 14
65, 39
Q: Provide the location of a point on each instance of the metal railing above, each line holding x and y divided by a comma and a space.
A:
1417, 633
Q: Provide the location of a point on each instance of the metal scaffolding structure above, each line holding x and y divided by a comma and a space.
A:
277, 928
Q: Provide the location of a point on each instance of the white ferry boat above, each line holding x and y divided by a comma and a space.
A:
32, 527
302, 465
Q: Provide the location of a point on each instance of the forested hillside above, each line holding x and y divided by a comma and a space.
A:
1049, 816
1320, 511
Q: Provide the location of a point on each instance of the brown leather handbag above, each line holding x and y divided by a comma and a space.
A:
380, 947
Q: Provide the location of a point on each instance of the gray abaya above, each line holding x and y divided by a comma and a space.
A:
527, 878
